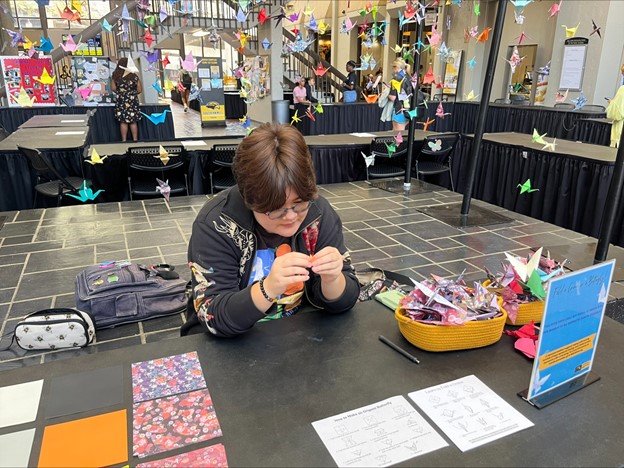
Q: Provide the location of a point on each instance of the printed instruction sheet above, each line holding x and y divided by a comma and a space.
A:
469, 412
380, 434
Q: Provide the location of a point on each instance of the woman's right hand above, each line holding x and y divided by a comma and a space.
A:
287, 269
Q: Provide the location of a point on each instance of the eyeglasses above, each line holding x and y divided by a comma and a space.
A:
300, 207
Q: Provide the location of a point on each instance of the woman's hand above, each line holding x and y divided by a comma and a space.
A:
287, 269
327, 263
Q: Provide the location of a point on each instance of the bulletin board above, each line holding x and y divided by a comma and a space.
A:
92, 73
20, 72
451, 72
210, 82
573, 67
256, 70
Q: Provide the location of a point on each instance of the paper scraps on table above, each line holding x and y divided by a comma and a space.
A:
526, 341
95, 157
526, 187
85, 193
212, 456
157, 118
172, 422
96, 441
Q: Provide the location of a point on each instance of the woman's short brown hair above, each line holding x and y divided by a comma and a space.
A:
268, 162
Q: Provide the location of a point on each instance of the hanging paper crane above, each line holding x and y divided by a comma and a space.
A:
320, 70
515, 59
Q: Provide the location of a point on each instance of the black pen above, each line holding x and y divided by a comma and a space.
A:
385, 340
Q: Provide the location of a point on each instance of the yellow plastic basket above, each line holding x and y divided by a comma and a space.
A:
436, 338
526, 312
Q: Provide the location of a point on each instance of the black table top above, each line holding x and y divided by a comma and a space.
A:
269, 386
62, 120
49, 138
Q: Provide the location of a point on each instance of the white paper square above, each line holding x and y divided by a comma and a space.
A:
194, 143
72, 121
20, 403
15, 448
76, 132
380, 434
469, 412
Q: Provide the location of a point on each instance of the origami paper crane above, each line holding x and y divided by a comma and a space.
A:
347, 26
398, 138
46, 46
521, 37
537, 138
310, 115
391, 148
518, 18
435, 37
570, 32
130, 67
514, 60
484, 35
554, 9
16, 37
242, 37
477, 9
151, 57
157, 87
397, 49
295, 118
262, 16
163, 188
85, 92
472, 62
471, 96
473, 31
524, 188
157, 118
148, 38
440, 111
526, 339
266, 44
33, 53
596, 30
69, 15
320, 70
412, 114
426, 123
579, 102
319, 108
95, 158
77, 5
293, 17
368, 160
106, 26
165, 61
279, 17
189, 63
23, 99
561, 97
322, 27
163, 15
45, 78
307, 11
241, 16
28, 44
520, 5
246, 121
163, 154
313, 25
70, 44
85, 193
429, 77
550, 146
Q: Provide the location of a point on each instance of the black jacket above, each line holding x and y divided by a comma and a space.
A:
221, 255
309, 96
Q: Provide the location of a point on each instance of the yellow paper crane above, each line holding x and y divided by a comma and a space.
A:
95, 158
397, 49
27, 44
168, 85
322, 27
45, 78
295, 118
396, 85
77, 5
550, 146
163, 155
471, 96
307, 11
537, 138
570, 32
23, 99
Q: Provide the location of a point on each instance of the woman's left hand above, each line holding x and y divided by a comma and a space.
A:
327, 263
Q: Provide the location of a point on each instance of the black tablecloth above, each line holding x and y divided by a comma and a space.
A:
596, 131
571, 190
104, 126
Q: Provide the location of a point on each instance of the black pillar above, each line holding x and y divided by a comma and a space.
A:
485, 99
611, 205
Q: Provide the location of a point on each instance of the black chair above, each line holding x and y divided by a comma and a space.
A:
145, 165
3, 133
386, 165
221, 161
593, 108
50, 183
435, 156
440, 97
564, 105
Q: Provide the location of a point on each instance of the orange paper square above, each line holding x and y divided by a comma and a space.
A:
97, 441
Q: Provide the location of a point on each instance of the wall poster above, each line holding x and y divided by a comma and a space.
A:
573, 67
451, 72
20, 72
92, 78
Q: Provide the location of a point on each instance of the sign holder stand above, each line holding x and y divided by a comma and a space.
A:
562, 391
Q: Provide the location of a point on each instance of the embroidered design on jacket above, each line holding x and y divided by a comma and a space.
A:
199, 291
242, 238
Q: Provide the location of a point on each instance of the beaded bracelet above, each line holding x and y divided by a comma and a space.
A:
263, 291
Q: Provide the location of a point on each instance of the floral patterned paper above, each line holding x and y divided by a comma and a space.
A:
166, 376
213, 456
173, 422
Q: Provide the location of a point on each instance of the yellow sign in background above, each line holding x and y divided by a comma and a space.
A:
566, 352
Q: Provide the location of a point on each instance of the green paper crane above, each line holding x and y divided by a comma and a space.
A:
535, 285
526, 187
391, 149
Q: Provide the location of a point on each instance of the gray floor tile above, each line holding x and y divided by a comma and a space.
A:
401, 263
162, 323
6, 295
432, 229
10, 275
21, 309
62, 258
19, 229
375, 238
17, 240
171, 334
487, 242
47, 284
414, 242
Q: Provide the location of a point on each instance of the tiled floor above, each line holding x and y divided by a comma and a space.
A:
41, 251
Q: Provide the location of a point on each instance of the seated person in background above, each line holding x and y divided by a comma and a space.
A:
300, 99
261, 248
309, 86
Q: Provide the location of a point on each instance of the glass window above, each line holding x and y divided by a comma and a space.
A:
99, 8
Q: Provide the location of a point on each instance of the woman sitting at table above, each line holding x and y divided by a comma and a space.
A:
300, 97
261, 249
127, 87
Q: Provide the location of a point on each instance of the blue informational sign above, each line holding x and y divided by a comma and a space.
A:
570, 327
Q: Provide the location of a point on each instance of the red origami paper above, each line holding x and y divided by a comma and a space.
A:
149, 39
527, 339
262, 16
